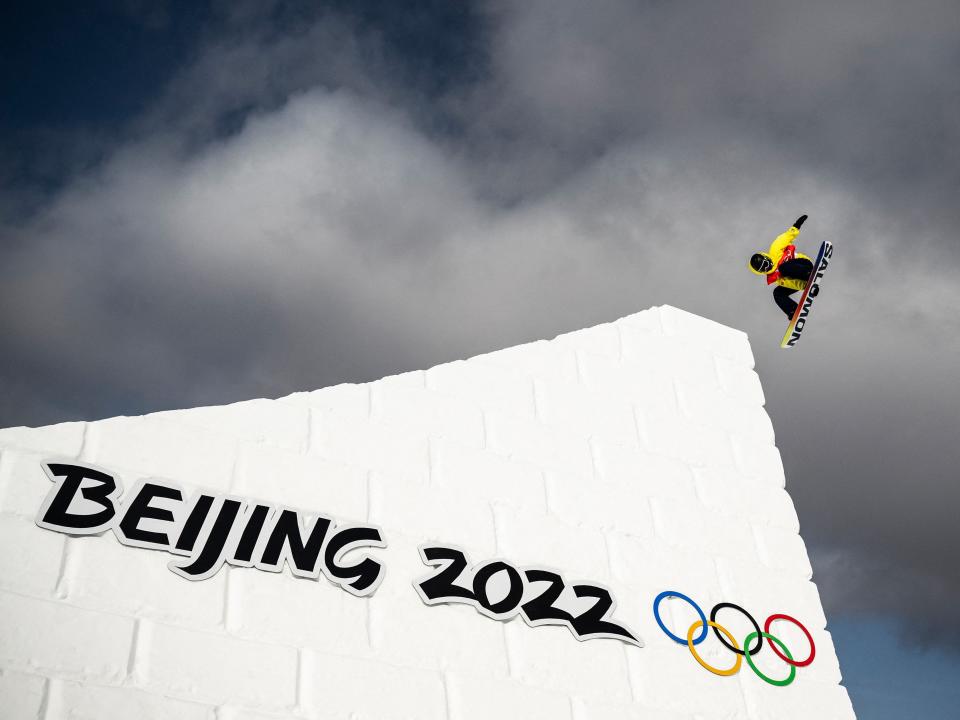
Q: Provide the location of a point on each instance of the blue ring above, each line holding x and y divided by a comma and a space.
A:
656, 615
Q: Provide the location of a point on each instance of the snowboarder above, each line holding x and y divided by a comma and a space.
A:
784, 266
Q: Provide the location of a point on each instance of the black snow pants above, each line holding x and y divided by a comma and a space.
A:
796, 269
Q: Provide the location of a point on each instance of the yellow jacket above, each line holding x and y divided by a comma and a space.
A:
778, 248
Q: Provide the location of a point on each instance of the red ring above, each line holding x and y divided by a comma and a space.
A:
788, 661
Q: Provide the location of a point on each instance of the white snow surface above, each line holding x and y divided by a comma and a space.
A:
636, 455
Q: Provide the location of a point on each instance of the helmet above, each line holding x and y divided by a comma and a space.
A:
761, 264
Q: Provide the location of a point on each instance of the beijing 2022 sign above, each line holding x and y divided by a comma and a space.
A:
208, 530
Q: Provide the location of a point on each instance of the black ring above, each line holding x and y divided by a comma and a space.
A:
713, 618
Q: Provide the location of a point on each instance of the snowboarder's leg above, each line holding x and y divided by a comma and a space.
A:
781, 296
796, 269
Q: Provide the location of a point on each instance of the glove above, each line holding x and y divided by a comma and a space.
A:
799, 221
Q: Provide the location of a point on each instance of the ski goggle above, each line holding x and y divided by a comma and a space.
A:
761, 263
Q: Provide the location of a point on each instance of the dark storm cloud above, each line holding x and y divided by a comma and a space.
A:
865, 88
316, 198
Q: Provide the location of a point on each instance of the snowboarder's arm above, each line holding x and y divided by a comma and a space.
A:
786, 238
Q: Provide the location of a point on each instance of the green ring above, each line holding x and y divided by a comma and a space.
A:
779, 683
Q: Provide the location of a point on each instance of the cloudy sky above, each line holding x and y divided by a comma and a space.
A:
208, 202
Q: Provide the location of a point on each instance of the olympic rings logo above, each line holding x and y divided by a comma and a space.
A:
730, 642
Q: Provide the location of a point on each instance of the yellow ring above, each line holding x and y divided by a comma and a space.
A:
716, 671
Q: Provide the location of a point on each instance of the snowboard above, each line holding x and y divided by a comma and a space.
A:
802, 314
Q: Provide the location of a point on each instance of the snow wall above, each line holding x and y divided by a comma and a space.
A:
623, 461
